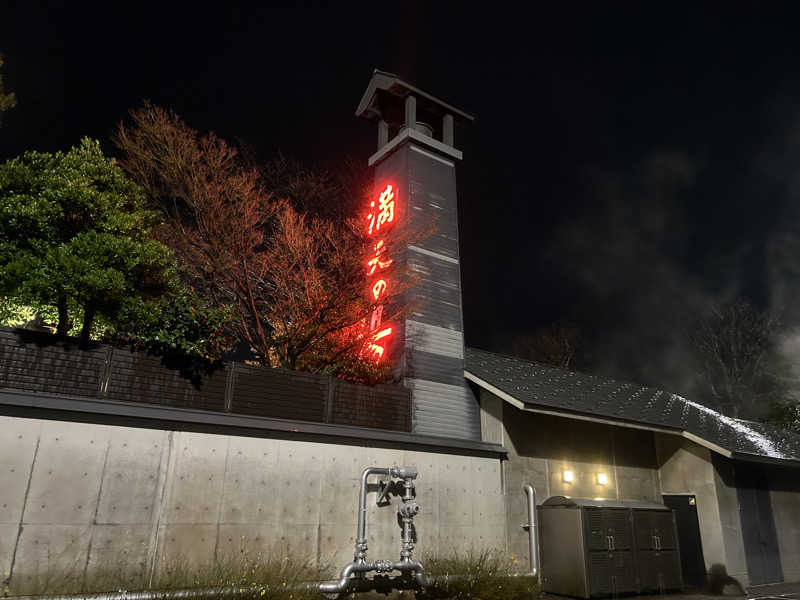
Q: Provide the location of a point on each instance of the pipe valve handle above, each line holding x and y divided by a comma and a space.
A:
408, 510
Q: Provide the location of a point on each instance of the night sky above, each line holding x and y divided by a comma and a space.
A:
626, 167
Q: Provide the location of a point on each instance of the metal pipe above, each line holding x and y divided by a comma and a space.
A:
344, 578
530, 527
182, 594
347, 583
360, 555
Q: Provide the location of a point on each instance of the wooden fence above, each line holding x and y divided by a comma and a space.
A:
41, 362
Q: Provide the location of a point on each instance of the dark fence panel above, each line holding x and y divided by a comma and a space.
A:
137, 377
41, 362
279, 394
380, 406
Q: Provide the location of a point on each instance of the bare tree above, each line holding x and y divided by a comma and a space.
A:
272, 241
320, 300
555, 344
733, 347
215, 211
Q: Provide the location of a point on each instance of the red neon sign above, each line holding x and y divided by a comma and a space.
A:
379, 216
375, 318
375, 262
378, 288
384, 212
376, 349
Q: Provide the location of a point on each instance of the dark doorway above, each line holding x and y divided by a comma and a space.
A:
693, 564
758, 526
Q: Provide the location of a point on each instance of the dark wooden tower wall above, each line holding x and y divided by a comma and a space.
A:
423, 171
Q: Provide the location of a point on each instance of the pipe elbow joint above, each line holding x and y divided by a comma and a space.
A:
404, 472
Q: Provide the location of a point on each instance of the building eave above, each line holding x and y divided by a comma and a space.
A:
527, 407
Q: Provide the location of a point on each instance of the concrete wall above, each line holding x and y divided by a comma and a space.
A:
730, 517
785, 497
687, 468
79, 497
540, 447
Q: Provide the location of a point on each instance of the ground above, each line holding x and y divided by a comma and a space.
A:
777, 591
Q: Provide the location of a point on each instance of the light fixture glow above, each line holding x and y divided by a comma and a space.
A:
568, 476
602, 479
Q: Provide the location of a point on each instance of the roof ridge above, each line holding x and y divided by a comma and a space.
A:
575, 372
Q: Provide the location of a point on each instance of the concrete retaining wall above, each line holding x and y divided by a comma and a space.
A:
78, 497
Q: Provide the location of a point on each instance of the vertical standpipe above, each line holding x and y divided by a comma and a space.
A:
530, 527
351, 577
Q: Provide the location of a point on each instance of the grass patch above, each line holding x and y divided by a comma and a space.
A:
487, 575
281, 575
273, 577
474, 576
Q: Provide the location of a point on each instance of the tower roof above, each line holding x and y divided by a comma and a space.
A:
384, 91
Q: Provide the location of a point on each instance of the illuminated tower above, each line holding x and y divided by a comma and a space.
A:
415, 169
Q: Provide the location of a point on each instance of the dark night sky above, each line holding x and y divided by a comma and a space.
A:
626, 166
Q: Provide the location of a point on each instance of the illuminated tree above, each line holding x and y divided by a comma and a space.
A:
266, 241
74, 234
215, 209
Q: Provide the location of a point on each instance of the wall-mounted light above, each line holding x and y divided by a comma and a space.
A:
568, 476
602, 479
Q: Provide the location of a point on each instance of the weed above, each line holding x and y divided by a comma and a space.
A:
486, 575
273, 576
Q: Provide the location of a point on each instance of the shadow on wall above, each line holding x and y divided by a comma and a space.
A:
560, 438
722, 584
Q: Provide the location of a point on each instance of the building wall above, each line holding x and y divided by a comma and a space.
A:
540, 447
730, 517
687, 468
785, 496
80, 497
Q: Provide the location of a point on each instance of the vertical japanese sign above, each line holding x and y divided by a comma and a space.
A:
380, 219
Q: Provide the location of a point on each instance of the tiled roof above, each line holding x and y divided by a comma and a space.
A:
545, 387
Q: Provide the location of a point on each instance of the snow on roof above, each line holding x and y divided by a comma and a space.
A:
758, 439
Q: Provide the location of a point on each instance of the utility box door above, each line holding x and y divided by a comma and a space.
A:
562, 552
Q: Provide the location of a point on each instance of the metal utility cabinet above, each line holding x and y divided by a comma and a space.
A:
594, 548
